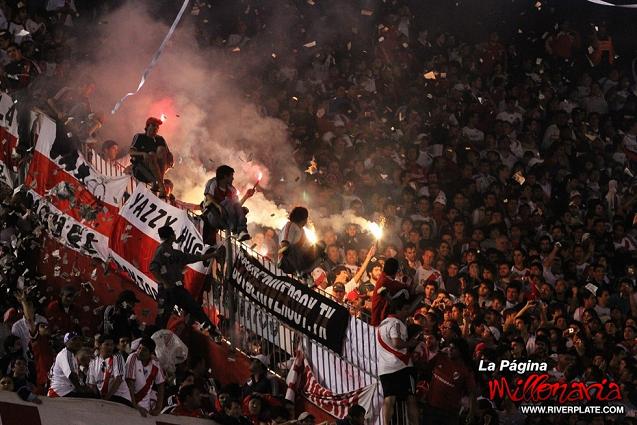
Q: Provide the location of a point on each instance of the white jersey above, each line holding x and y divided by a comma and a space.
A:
140, 374
390, 359
424, 275
21, 329
114, 366
293, 233
65, 364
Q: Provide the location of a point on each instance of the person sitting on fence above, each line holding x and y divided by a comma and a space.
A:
222, 206
150, 156
297, 253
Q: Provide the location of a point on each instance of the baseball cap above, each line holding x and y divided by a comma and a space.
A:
70, 336
262, 358
10, 315
480, 347
575, 193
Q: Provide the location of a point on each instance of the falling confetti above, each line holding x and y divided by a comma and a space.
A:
430, 75
313, 167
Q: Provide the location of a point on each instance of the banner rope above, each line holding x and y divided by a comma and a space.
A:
155, 58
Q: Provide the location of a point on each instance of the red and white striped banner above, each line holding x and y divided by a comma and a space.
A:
8, 139
66, 194
335, 404
135, 239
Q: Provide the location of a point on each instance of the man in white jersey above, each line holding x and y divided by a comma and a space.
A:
106, 373
143, 374
426, 272
395, 367
65, 380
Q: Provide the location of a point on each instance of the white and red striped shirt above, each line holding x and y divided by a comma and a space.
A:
219, 194
113, 366
65, 364
293, 233
139, 373
391, 359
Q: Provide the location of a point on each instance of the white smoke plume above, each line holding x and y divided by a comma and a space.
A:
209, 121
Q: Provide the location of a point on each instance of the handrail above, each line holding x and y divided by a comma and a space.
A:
252, 329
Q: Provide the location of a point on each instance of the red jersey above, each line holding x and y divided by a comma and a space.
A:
379, 302
450, 381
44, 357
218, 194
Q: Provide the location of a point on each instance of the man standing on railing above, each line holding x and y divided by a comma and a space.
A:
167, 266
395, 367
150, 156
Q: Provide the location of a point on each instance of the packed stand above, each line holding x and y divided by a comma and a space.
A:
503, 174
504, 171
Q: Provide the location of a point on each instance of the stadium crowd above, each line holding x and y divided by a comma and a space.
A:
502, 168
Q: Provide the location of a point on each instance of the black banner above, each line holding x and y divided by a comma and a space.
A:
296, 305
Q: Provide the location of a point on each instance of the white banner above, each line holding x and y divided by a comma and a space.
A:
135, 239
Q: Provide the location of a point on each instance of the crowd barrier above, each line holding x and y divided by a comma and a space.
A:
255, 330
75, 411
107, 168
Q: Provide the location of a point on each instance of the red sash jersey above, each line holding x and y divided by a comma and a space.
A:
218, 194
390, 359
450, 381
379, 303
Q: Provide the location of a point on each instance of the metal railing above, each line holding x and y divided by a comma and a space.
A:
106, 168
253, 330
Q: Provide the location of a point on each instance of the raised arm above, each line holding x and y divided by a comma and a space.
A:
368, 258
27, 309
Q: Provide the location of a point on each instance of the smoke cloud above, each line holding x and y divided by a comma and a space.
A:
209, 119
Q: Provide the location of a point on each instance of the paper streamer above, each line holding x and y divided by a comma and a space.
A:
155, 59
605, 3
